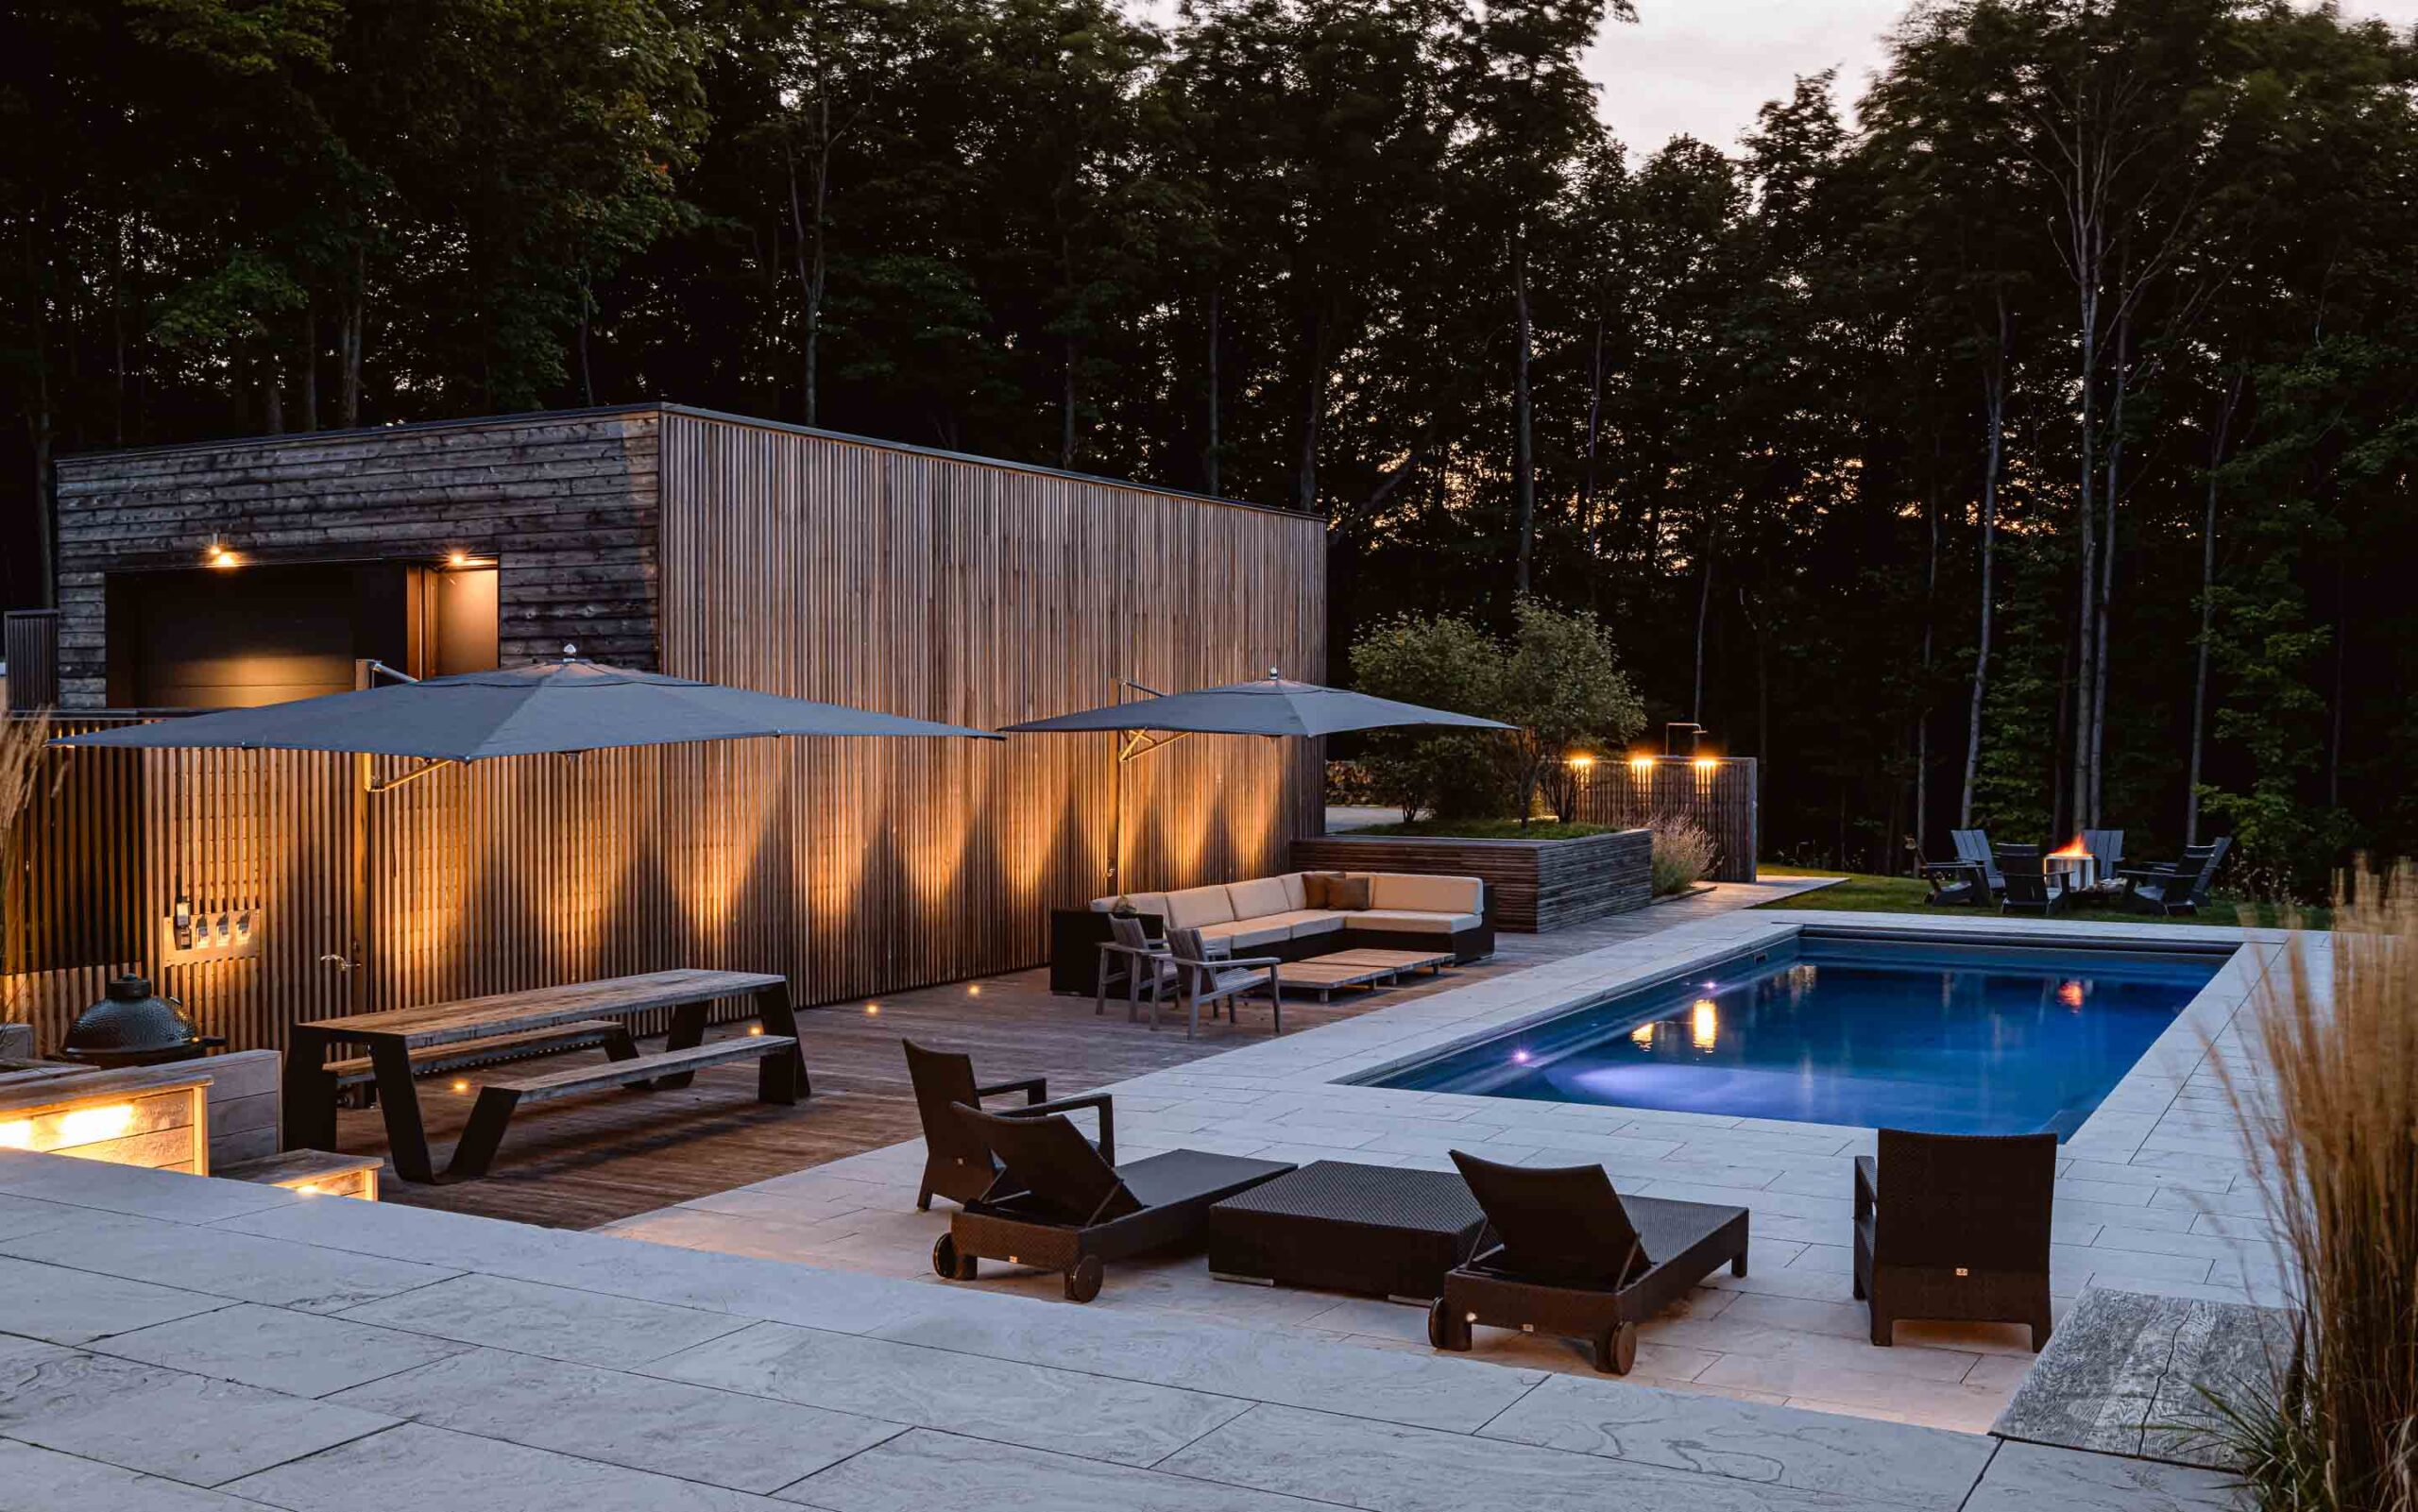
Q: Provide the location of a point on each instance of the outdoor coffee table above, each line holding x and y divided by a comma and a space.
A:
1359, 968
1336, 1226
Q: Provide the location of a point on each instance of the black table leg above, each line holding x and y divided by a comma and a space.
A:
406, 1137
687, 1032
780, 1077
308, 1096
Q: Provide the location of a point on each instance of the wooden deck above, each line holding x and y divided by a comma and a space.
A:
590, 1160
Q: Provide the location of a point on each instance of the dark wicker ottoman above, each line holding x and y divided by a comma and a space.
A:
1341, 1226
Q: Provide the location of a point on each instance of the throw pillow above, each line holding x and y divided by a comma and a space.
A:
1347, 894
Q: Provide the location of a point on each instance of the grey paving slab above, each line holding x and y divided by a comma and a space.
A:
40, 1381
302, 1355
1386, 1467
66, 1306
1897, 1463
1259, 1364
2033, 1477
133, 1189
43, 1480
2093, 1388
26, 1215
555, 1322
921, 1470
198, 1431
2235, 1351
274, 1271
642, 1422
418, 1466
1130, 1421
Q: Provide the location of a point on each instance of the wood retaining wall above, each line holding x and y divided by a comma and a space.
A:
1532, 886
1718, 792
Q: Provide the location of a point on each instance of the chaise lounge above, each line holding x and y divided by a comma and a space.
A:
957, 1164
1572, 1256
1058, 1205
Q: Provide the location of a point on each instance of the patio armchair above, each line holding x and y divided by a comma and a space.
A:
1963, 1234
1058, 1204
1951, 882
1973, 848
1131, 958
957, 1164
2026, 880
2179, 886
1563, 1253
1211, 976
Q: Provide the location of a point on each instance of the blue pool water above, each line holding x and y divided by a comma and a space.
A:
1979, 1040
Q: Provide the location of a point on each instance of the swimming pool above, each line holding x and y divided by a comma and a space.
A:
1872, 1032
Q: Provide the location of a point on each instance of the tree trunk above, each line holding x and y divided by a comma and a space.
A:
2342, 655
41, 420
1993, 406
1704, 612
2207, 612
586, 374
1211, 458
2085, 516
118, 333
806, 250
272, 397
349, 343
2105, 597
1524, 471
306, 370
1312, 411
1594, 434
1922, 707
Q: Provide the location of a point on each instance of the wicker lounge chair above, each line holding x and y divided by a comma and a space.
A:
1058, 1205
1564, 1253
957, 1164
2178, 887
1973, 847
1211, 978
2026, 880
1963, 1234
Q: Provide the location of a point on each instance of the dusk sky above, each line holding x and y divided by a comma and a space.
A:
1703, 66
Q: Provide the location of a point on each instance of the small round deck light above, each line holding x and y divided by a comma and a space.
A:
1520, 1058
873, 1009
973, 989
754, 1029
460, 1085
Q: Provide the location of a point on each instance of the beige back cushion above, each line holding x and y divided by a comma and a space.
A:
1194, 906
1258, 898
1152, 902
1432, 895
1297, 893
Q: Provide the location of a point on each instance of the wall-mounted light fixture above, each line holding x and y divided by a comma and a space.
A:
218, 555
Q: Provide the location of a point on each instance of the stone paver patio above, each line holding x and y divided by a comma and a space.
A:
190, 1343
2153, 1193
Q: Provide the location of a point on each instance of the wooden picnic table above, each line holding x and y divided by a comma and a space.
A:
391, 1038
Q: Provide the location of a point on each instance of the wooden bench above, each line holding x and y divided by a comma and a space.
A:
461, 1055
499, 1100
320, 1172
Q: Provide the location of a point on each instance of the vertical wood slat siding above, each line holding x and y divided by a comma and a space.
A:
985, 596
789, 562
1722, 799
30, 646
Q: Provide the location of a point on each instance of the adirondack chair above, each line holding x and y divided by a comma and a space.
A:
2180, 886
2028, 881
1973, 847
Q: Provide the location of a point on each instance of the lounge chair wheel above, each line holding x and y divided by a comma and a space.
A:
948, 1264
1082, 1282
1616, 1349
1444, 1331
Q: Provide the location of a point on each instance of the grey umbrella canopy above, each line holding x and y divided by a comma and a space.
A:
555, 707
1270, 706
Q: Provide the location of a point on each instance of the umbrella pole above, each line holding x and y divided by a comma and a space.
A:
1117, 819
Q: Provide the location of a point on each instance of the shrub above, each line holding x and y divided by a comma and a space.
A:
1683, 852
2333, 1129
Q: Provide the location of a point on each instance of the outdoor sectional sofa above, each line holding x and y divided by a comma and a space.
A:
1273, 916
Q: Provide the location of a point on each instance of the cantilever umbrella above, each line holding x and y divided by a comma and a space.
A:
551, 708
1269, 705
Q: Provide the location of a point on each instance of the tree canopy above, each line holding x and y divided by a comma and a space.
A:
2030, 445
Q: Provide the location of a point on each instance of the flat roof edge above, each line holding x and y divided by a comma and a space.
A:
102, 455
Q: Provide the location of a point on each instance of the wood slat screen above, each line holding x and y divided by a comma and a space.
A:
29, 645
1717, 792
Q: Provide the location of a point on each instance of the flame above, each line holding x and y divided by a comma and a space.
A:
2072, 850
2070, 995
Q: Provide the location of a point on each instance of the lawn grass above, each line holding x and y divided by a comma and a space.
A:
1862, 892
1487, 829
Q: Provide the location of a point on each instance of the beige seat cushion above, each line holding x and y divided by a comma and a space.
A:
1426, 894
1195, 907
1301, 922
1259, 898
1413, 920
1245, 934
